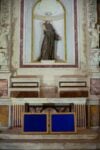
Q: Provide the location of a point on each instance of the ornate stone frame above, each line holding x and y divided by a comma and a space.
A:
49, 65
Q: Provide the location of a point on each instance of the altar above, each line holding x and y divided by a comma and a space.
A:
18, 106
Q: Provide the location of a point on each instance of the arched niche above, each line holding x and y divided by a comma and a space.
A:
54, 12
30, 19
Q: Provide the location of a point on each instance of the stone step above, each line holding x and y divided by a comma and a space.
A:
17, 140
49, 146
59, 136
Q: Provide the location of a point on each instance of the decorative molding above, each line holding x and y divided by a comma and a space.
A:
40, 17
93, 102
5, 101
40, 101
66, 84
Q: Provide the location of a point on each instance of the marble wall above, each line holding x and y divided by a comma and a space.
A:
4, 116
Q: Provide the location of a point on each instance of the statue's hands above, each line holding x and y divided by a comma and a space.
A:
60, 38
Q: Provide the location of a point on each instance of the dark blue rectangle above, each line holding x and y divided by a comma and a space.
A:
62, 123
35, 123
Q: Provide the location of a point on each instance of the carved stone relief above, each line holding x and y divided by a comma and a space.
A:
94, 36
95, 86
92, 23
5, 17
94, 57
91, 11
53, 109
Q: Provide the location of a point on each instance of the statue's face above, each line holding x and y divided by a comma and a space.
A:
44, 28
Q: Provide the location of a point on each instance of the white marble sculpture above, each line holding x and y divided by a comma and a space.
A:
94, 32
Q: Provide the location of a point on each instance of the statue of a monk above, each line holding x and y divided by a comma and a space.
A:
48, 44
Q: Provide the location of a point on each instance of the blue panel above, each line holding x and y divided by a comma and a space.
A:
62, 123
35, 123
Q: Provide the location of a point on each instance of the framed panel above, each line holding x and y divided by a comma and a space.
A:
35, 122
64, 84
31, 49
63, 123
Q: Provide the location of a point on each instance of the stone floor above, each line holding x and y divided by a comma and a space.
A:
15, 139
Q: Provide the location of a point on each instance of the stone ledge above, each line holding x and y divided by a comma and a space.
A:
50, 146
50, 136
